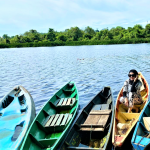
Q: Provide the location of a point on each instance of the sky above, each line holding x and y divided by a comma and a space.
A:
19, 16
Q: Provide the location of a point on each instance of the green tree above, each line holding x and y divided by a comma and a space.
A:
147, 30
137, 27
98, 35
87, 36
138, 31
62, 38
89, 30
5, 36
74, 33
96, 30
33, 31
51, 35
129, 29
116, 31
15, 39
105, 34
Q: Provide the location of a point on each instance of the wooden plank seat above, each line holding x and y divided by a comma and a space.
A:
65, 103
82, 148
69, 91
91, 129
100, 112
57, 122
101, 107
96, 121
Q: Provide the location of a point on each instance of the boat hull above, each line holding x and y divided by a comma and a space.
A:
77, 139
53, 121
17, 111
119, 136
139, 140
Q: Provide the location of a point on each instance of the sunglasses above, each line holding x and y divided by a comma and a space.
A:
131, 75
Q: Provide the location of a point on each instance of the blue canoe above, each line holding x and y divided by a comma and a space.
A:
140, 140
17, 112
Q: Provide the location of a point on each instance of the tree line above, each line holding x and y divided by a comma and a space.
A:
76, 36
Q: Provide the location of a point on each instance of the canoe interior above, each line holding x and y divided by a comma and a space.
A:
129, 119
80, 139
17, 111
141, 139
41, 135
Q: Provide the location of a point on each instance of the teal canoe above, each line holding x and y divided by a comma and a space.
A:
141, 135
17, 111
53, 121
92, 128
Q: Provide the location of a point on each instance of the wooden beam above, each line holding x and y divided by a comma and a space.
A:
49, 121
92, 129
64, 119
54, 120
92, 125
60, 102
100, 112
68, 102
64, 102
59, 120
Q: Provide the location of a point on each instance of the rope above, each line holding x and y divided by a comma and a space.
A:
17, 93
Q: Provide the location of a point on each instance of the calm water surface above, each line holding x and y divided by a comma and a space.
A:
43, 71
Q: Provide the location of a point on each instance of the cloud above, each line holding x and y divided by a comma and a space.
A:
18, 16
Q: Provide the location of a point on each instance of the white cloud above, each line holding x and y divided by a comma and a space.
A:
23, 15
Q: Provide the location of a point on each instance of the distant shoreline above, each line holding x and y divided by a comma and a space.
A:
76, 43
75, 37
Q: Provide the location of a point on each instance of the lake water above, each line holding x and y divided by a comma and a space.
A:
43, 71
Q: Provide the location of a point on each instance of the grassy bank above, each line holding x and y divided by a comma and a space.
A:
76, 43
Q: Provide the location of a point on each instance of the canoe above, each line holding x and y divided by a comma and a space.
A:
92, 128
141, 135
17, 111
53, 121
124, 122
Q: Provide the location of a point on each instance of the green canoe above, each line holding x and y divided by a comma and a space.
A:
53, 121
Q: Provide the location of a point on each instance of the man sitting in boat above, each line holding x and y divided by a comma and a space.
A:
131, 91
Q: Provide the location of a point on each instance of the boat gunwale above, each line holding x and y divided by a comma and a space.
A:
117, 110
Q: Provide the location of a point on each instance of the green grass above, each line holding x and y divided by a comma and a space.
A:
76, 43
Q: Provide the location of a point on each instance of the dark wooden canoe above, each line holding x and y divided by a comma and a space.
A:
92, 129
